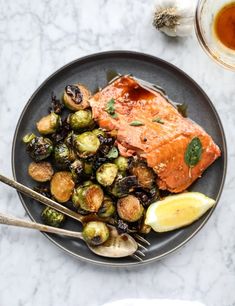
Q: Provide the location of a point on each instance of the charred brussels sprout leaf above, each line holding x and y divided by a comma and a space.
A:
123, 185
107, 208
49, 124
95, 232
52, 217
113, 153
89, 197
129, 208
39, 148
56, 105
28, 137
86, 144
106, 174
81, 119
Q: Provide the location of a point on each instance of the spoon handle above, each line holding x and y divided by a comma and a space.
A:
39, 197
10, 220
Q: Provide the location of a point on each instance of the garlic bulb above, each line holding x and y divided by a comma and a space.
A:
174, 17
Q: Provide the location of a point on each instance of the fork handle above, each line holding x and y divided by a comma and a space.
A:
10, 220
39, 197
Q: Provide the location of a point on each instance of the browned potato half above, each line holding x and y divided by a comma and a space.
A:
76, 97
129, 208
62, 186
41, 171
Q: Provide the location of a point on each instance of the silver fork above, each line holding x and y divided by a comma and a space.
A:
137, 254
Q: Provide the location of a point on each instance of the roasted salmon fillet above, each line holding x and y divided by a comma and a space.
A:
146, 124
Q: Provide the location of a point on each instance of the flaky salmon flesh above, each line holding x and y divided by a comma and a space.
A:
146, 124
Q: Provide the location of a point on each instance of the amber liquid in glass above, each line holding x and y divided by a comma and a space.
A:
224, 25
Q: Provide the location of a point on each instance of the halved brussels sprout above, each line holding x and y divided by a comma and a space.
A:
39, 148
122, 163
86, 144
63, 155
76, 97
129, 208
89, 197
106, 174
81, 119
52, 217
99, 132
62, 186
95, 232
145, 175
48, 124
28, 137
41, 171
76, 169
107, 208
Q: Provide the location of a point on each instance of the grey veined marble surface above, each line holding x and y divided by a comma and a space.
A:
38, 37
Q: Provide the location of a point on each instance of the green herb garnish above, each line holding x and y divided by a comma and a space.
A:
136, 123
158, 120
193, 152
110, 108
113, 153
182, 109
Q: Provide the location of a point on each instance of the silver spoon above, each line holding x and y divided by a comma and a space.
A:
116, 246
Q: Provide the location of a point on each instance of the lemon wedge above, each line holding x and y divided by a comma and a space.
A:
177, 211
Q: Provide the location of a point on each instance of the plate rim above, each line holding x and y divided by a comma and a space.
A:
148, 57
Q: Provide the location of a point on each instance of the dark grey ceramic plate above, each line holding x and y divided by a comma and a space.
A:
92, 71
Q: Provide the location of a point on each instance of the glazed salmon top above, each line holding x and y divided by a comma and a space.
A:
146, 124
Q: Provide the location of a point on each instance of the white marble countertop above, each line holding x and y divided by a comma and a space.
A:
36, 38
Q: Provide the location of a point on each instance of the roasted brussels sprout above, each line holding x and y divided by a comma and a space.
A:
106, 174
77, 170
107, 208
41, 171
52, 217
122, 163
81, 119
28, 137
48, 124
62, 186
63, 155
99, 132
89, 197
39, 148
76, 97
145, 175
86, 144
95, 232
129, 208
123, 185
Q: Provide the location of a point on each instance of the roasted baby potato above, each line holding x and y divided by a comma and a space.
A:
41, 171
89, 197
76, 97
129, 208
62, 186
48, 124
95, 232
52, 217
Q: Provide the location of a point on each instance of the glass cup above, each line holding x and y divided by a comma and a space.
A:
204, 27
